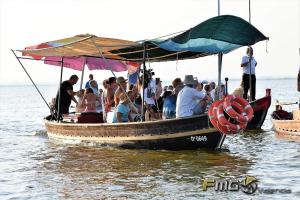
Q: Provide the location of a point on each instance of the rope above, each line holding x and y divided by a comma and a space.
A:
175, 33
128, 52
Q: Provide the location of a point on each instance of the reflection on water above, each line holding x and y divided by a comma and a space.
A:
295, 138
34, 167
89, 172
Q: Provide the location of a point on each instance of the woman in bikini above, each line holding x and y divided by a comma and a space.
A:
89, 100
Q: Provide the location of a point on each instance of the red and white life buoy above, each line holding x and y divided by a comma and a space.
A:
231, 104
235, 128
212, 114
230, 115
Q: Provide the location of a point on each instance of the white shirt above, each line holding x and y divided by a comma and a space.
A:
212, 94
186, 101
246, 69
149, 100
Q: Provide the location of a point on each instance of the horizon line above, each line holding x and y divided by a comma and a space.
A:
53, 83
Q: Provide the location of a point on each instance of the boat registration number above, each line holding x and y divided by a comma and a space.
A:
198, 138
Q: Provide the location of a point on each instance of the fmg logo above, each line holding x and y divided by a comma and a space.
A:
248, 185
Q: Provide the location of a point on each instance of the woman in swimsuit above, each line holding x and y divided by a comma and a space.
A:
89, 100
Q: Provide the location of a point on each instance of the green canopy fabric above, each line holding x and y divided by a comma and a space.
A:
220, 34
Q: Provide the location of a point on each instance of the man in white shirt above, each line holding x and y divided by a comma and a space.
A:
249, 64
188, 98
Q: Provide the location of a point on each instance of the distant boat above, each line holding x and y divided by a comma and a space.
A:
287, 125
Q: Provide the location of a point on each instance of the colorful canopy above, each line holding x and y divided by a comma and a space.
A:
220, 34
93, 63
80, 45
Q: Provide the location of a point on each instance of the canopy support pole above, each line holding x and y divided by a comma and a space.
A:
31, 80
82, 73
143, 81
59, 89
221, 141
219, 7
250, 79
220, 55
250, 11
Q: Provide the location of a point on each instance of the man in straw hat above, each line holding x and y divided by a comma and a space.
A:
187, 104
122, 112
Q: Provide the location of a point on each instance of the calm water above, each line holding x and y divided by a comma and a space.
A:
32, 167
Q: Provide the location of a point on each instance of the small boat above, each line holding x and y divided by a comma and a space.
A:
286, 124
218, 35
260, 108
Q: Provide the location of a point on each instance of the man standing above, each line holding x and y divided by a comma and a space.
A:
249, 65
66, 95
87, 84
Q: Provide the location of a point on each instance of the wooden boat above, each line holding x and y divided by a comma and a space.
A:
173, 134
286, 125
218, 35
260, 108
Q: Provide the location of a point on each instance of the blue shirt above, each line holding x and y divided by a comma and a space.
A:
87, 85
169, 107
124, 110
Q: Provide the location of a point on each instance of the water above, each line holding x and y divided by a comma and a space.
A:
32, 167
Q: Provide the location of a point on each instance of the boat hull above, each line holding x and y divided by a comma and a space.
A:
174, 134
260, 108
288, 129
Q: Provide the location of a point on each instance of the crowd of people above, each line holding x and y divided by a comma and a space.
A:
124, 101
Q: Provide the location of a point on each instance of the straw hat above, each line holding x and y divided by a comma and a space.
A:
189, 80
121, 79
123, 98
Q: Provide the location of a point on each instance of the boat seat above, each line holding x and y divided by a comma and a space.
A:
90, 117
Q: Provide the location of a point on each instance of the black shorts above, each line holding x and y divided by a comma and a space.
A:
153, 107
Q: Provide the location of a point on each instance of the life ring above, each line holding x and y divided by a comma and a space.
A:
234, 111
234, 128
212, 114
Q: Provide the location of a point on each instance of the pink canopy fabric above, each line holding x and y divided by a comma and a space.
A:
93, 63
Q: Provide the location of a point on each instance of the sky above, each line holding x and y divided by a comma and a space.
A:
29, 22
